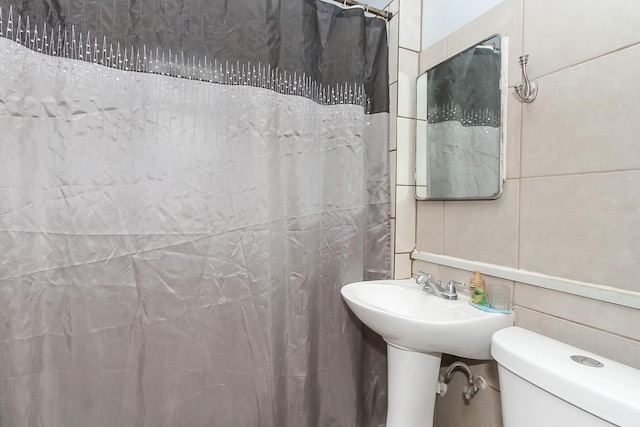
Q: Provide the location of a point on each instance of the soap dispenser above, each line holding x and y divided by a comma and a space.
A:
479, 295
477, 282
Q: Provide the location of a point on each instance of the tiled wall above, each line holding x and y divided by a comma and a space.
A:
571, 202
404, 31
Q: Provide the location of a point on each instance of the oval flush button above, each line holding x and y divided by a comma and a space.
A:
587, 361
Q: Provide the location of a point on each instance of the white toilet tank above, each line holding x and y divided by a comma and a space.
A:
547, 383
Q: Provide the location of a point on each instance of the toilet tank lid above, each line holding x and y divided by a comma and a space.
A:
611, 392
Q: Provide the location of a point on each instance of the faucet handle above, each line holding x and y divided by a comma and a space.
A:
456, 284
423, 278
450, 290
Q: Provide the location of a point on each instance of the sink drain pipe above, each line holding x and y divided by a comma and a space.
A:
474, 383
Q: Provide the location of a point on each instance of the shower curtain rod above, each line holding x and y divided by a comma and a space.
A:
375, 11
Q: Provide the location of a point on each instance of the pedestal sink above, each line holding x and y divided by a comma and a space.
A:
418, 327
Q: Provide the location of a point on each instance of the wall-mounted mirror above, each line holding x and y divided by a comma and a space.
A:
459, 126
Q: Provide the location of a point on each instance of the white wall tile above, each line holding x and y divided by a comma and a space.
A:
405, 148
407, 75
426, 267
620, 349
558, 34
405, 218
484, 230
512, 137
410, 24
430, 226
393, 49
420, 152
585, 118
393, 247
392, 175
583, 227
402, 266
393, 115
586, 311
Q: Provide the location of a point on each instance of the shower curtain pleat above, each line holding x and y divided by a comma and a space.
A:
173, 249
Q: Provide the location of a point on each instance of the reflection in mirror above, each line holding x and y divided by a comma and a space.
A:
458, 126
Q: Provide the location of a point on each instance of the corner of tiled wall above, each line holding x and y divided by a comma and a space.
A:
392, 33
404, 51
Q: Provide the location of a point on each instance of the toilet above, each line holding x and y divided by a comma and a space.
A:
544, 382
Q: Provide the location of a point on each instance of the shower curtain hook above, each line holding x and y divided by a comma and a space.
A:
528, 89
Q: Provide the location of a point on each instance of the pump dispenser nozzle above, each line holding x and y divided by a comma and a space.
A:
477, 281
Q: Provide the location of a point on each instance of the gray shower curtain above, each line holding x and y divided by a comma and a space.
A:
173, 248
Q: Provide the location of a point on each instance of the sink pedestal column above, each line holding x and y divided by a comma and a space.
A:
412, 381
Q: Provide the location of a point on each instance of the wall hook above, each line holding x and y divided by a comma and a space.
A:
528, 89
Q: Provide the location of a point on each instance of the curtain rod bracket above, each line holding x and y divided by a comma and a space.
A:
367, 8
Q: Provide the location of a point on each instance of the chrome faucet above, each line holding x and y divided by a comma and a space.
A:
434, 287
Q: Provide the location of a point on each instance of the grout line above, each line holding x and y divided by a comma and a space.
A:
584, 61
575, 322
521, 150
578, 173
409, 49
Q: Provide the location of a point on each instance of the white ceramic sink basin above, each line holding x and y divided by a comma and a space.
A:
409, 318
